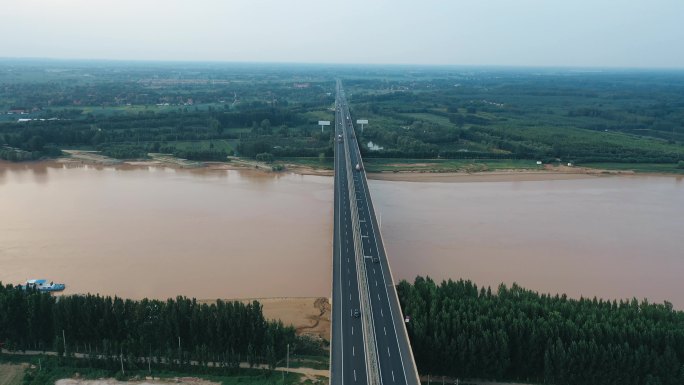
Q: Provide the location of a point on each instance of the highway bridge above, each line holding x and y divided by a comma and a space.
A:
369, 340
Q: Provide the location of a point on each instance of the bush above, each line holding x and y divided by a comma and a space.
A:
680, 164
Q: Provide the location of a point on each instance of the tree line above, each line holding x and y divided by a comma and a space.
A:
460, 330
578, 118
280, 131
176, 331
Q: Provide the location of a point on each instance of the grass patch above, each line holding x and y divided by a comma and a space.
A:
218, 144
314, 362
316, 163
431, 118
669, 168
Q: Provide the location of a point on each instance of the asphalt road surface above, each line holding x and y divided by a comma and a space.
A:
348, 354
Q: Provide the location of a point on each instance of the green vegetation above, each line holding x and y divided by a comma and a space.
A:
460, 330
209, 111
619, 117
204, 113
173, 333
670, 168
325, 163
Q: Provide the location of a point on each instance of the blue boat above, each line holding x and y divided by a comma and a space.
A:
43, 285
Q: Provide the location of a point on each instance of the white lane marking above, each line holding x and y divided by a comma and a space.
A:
352, 330
379, 297
392, 376
385, 330
388, 352
401, 359
339, 229
349, 282
354, 350
373, 270
350, 297
382, 315
376, 282
354, 375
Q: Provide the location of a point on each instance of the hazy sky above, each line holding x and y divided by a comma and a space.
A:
612, 33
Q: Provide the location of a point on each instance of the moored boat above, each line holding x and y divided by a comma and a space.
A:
43, 285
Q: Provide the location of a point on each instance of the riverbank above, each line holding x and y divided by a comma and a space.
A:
548, 172
401, 170
309, 315
487, 176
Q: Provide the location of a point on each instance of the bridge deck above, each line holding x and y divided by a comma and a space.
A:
372, 348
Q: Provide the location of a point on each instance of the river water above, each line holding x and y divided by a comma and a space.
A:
158, 232
611, 237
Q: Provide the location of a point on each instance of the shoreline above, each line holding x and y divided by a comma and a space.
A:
548, 173
486, 176
308, 315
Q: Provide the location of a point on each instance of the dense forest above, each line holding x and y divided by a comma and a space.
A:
210, 111
174, 331
460, 330
543, 114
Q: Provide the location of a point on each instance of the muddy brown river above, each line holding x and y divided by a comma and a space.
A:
159, 232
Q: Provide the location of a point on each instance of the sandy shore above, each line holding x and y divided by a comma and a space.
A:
489, 176
309, 315
514, 175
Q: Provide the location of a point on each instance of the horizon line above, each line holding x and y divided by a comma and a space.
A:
350, 64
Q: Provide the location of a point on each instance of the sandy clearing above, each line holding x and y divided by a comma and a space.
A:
94, 157
306, 170
549, 172
11, 374
309, 315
